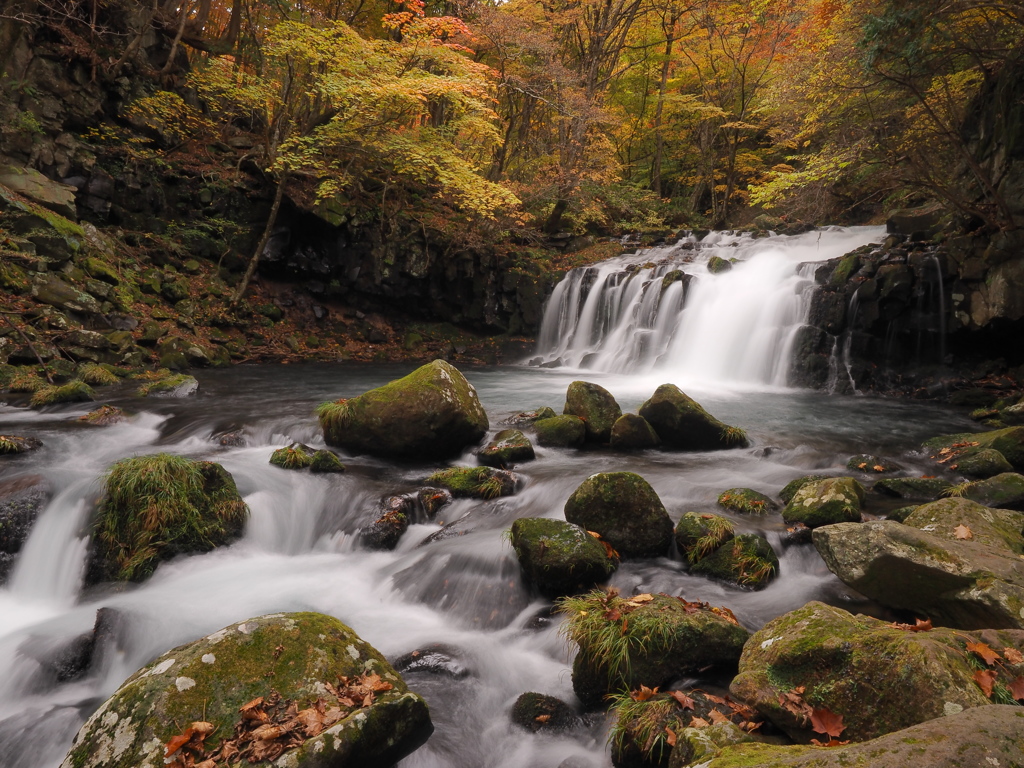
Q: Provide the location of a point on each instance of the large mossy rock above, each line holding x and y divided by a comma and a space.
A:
157, 507
951, 449
981, 736
625, 510
747, 501
431, 413
560, 558
299, 657
878, 677
1005, 490
682, 424
913, 488
475, 482
11, 445
561, 432
983, 464
953, 560
595, 406
644, 640
508, 448
824, 502
631, 432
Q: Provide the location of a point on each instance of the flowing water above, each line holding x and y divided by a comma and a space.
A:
452, 586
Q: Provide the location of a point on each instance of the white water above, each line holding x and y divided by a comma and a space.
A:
735, 328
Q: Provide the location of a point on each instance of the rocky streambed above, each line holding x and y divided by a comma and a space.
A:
515, 569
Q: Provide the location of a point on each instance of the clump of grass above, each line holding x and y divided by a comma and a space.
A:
159, 506
746, 501
718, 530
166, 385
734, 436
475, 482
97, 375
103, 416
76, 391
959, 490
752, 569
10, 444
25, 381
642, 722
294, 456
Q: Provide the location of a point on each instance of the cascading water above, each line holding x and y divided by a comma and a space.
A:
663, 310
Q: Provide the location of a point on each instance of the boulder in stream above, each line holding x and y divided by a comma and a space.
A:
178, 385
11, 445
325, 462
625, 510
747, 560
631, 432
951, 449
747, 501
595, 406
294, 456
431, 413
872, 465
156, 507
476, 482
540, 712
682, 424
395, 515
913, 488
295, 689
508, 448
878, 676
560, 558
982, 464
1005, 490
953, 560
561, 432
825, 501
104, 416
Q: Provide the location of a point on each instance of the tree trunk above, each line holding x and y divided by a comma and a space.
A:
659, 139
554, 222
254, 260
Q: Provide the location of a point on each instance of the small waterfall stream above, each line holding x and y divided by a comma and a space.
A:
663, 310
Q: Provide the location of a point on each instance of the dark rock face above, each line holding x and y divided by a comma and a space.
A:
595, 406
682, 424
631, 432
625, 510
538, 712
21, 501
560, 558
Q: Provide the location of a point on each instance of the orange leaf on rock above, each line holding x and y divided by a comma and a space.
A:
918, 626
683, 700
177, 742
717, 717
985, 652
1013, 656
827, 722
542, 718
644, 694
963, 532
670, 736
699, 722
1016, 687
985, 678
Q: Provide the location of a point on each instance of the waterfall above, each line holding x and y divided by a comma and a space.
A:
662, 309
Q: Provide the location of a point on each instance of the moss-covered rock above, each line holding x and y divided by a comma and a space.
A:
913, 488
278, 659
294, 456
954, 448
476, 482
560, 558
747, 501
953, 560
790, 489
508, 448
901, 513
539, 712
747, 560
529, 417
14, 444
872, 465
433, 412
97, 375
982, 464
157, 507
973, 737
682, 424
717, 265
73, 392
1005, 490
560, 432
180, 385
325, 461
631, 432
698, 535
644, 640
878, 677
825, 501
595, 406
103, 416
625, 510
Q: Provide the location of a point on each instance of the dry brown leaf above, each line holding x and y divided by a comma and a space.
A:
542, 718
920, 625
267, 732
987, 655
699, 722
985, 678
644, 598
1016, 687
878, 468
827, 722
177, 742
714, 699
717, 717
829, 743
963, 532
1013, 656
644, 694
670, 736
682, 699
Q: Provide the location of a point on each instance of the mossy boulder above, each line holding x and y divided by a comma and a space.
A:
508, 448
981, 736
104, 416
560, 558
595, 406
789, 490
11, 445
953, 560
73, 392
878, 677
561, 432
540, 712
953, 448
699, 534
529, 417
872, 465
324, 462
476, 482
294, 456
625, 510
433, 412
718, 265
983, 464
1005, 490
913, 488
644, 640
747, 560
631, 432
156, 507
281, 659
747, 501
825, 501
683, 424
180, 385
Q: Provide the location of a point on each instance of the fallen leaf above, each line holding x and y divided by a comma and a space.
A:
985, 678
714, 699
987, 655
644, 694
670, 736
1016, 687
827, 722
177, 742
542, 718
920, 625
717, 717
792, 701
829, 743
267, 732
682, 699
699, 722
963, 532
644, 598
878, 468
1013, 656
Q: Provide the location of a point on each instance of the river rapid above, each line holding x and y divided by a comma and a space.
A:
452, 586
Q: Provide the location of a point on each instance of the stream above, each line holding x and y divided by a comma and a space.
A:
453, 586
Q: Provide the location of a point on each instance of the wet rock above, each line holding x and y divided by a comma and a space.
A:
981, 736
717, 265
869, 464
529, 417
560, 558
625, 510
954, 448
688, 637
913, 488
698, 535
1005, 491
982, 464
790, 489
539, 712
747, 501
11, 445
682, 424
433, 500
880, 678
386, 531
631, 432
324, 461
825, 501
73, 392
508, 448
747, 560
953, 560
476, 482
104, 416
899, 514
561, 432
72, 659
432, 412
180, 385
595, 406
435, 659
233, 439
157, 507
209, 680
21, 501
294, 456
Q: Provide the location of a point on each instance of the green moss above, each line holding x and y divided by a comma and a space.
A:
159, 506
25, 381
643, 723
73, 392
560, 431
698, 535
847, 265
558, 557
474, 482
293, 456
97, 375
325, 461
746, 501
168, 384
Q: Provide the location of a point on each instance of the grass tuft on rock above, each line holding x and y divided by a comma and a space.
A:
717, 531
642, 722
97, 375
735, 437
166, 385
292, 456
474, 482
76, 391
159, 506
25, 381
